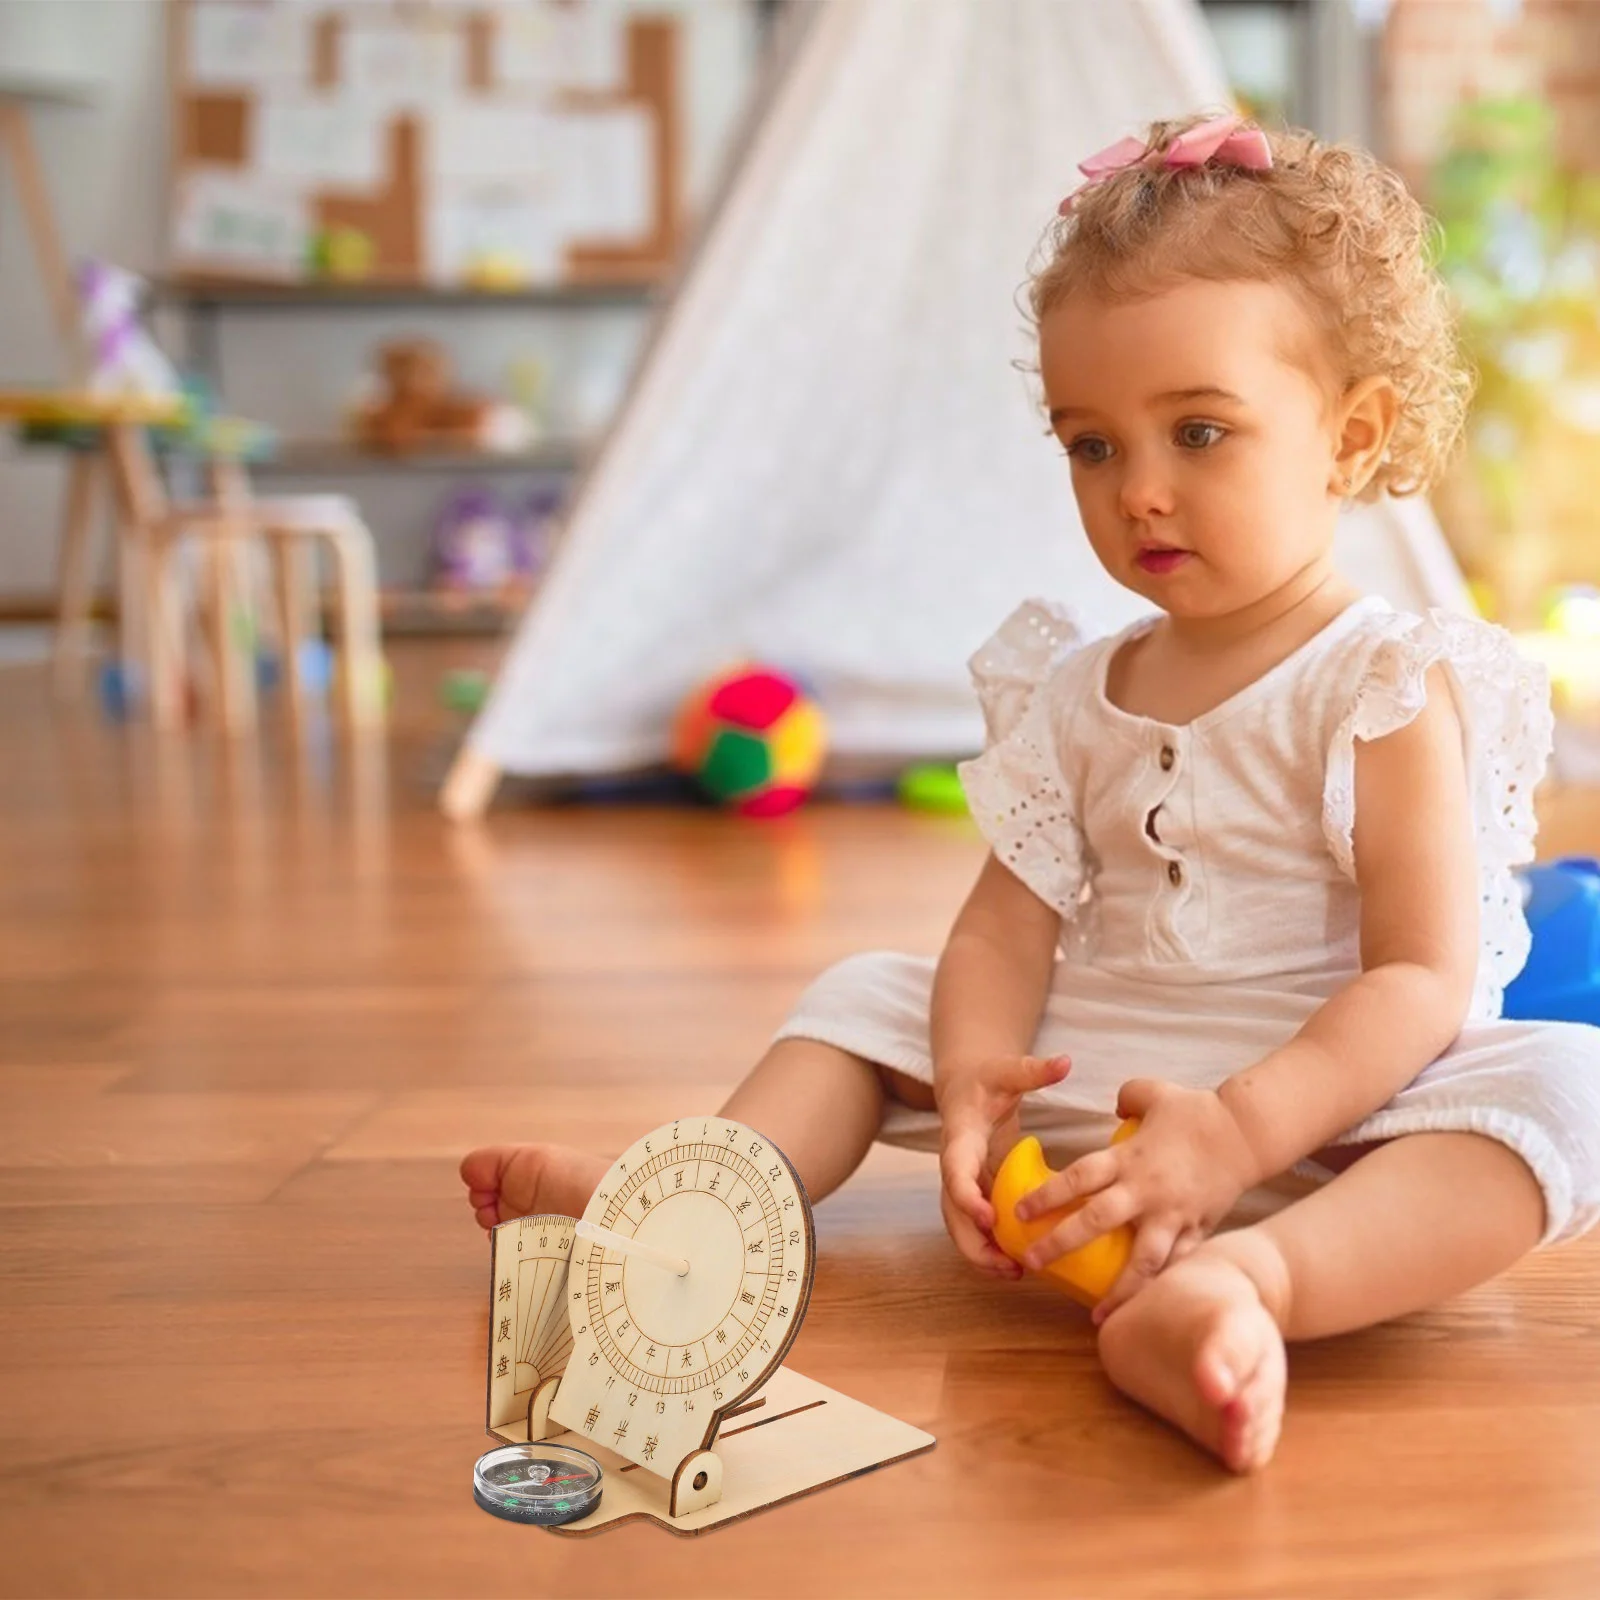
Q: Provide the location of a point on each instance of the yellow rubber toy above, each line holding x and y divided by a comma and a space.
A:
1086, 1273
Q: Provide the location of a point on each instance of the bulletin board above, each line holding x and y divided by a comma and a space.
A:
434, 142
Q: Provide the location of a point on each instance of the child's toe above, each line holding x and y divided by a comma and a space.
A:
1227, 1360
480, 1169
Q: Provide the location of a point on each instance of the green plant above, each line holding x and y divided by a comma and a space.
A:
1520, 250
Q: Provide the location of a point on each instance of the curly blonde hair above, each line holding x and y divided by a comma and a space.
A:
1334, 225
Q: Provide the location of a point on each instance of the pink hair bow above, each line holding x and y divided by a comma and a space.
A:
1223, 139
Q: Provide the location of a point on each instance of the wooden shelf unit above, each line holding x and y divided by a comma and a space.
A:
420, 613
201, 303
217, 128
196, 293
321, 457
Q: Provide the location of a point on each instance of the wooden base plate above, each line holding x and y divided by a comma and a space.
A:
805, 1437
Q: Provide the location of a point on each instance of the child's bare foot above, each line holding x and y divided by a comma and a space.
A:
1198, 1347
516, 1180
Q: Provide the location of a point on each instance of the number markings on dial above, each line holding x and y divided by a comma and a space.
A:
677, 1369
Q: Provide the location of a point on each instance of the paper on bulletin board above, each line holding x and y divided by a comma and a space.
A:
326, 143
496, 143
548, 45
508, 234
608, 171
422, 63
236, 44
225, 221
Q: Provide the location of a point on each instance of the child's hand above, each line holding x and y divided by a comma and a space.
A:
1172, 1182
978, 1110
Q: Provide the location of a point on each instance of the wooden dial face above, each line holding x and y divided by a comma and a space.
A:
659, 1354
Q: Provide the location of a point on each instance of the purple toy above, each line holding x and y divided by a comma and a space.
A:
473, 542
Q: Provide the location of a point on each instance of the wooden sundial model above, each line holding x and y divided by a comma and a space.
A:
639, 1330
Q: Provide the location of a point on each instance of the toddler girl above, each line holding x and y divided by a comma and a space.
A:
1251, 860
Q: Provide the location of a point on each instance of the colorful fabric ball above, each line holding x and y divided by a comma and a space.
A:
753, 739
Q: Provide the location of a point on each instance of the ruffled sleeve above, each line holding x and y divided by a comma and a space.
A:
1503, 700
1018, 795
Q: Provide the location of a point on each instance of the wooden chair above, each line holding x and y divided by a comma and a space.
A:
291, 528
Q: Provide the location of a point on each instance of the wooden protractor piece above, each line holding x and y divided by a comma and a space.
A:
530, 1330
669, 1338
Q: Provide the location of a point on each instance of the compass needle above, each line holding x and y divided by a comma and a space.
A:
526, 1483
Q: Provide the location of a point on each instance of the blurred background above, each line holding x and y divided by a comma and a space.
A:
408, 255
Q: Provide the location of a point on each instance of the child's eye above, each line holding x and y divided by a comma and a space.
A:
1090, 447
1199, 435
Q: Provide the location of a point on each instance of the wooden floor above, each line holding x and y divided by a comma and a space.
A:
254, 1009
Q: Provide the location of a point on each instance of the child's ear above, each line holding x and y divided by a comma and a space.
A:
1365, 419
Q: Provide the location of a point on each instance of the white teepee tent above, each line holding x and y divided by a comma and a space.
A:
829, 459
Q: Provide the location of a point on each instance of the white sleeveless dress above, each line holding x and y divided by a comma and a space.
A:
1205, 878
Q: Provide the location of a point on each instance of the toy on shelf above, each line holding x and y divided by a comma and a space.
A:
527, 385
636, 1334
480, 546
496, 271
1086, 1273
417, 408
753, 739
343, 253
473, 544
1561, 981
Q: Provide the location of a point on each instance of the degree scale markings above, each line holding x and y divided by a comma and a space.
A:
657, 1169
659, 1359
664, 1175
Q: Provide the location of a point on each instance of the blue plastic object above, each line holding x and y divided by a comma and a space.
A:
269, 671
315, 661
119, 690
1561, 982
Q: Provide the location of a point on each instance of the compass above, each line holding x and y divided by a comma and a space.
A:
546, 1484
690, 1276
